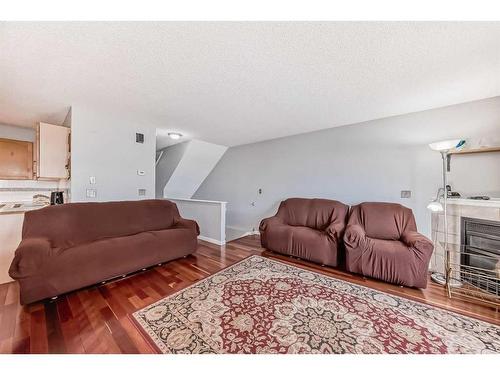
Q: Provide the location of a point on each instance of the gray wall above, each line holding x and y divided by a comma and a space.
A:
370, 161
171, 157
18, 133
103, 145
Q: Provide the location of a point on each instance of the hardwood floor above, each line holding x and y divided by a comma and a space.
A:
95, 320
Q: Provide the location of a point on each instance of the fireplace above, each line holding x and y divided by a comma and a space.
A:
480, 256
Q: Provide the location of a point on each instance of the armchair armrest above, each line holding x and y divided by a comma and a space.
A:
335, 230
30, 256
273, 220
354, 234
418, 242
187, 224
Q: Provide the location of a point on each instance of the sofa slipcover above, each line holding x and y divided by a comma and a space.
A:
70, 246
309, 229
381, 241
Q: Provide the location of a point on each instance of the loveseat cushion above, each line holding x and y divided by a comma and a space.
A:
380, 220
312, 213
302, 242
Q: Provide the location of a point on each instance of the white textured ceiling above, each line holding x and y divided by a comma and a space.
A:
235, 83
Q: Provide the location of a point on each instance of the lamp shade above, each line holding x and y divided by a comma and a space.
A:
435, 206
448, 145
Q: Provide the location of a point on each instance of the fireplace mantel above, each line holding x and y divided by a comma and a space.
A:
493, 202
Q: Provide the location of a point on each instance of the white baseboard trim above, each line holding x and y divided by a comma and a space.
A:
211, 240
251, 233
247, 234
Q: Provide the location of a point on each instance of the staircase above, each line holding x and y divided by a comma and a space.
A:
184, 166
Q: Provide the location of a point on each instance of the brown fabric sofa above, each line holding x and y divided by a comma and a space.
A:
70, 246
381, 241
310, 229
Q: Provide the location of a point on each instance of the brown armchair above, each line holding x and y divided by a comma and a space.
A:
382, 242
310, 229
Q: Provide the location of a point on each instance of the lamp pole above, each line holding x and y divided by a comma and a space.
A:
444, 147
444, 156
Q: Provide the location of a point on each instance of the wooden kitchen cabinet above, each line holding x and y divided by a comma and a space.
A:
16, 160
52, 152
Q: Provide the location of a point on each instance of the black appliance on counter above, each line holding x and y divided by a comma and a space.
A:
56, 197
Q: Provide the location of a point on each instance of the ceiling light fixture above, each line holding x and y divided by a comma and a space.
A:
175, 135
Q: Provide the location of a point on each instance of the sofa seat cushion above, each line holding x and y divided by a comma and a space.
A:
93, 262
387, 260
302, 242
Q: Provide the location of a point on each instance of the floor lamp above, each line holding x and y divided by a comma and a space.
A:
444, 147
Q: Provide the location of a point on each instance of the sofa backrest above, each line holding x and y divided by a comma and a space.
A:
385, 221
312, 213
71, 224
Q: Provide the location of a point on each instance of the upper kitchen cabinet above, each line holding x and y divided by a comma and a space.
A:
52, 152
16, 160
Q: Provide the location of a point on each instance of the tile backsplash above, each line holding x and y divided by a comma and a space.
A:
23, 190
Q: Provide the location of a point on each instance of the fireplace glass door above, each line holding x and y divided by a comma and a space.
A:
480, 259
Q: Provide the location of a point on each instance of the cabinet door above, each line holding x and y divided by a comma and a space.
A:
16, 160
53, 151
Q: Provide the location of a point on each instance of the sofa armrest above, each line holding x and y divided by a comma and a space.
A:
418, 242
335, 230
30, 256
273, 220
187, 224
354, 235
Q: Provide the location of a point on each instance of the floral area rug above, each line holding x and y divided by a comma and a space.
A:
264, 306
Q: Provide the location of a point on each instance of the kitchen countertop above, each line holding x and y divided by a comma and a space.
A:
7, 208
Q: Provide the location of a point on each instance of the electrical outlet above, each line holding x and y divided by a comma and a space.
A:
92, 180
260, 191
91, 193
141, 192
405, 193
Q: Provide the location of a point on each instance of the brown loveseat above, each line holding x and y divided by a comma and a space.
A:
70, 246
382, 242
310, 229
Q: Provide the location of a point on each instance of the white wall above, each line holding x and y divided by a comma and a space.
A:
371, 161
103, 145
171, 157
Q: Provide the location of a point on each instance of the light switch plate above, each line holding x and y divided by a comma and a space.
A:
405, 193
91, 193
92, 180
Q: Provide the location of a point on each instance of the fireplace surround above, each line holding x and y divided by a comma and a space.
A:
478, 222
